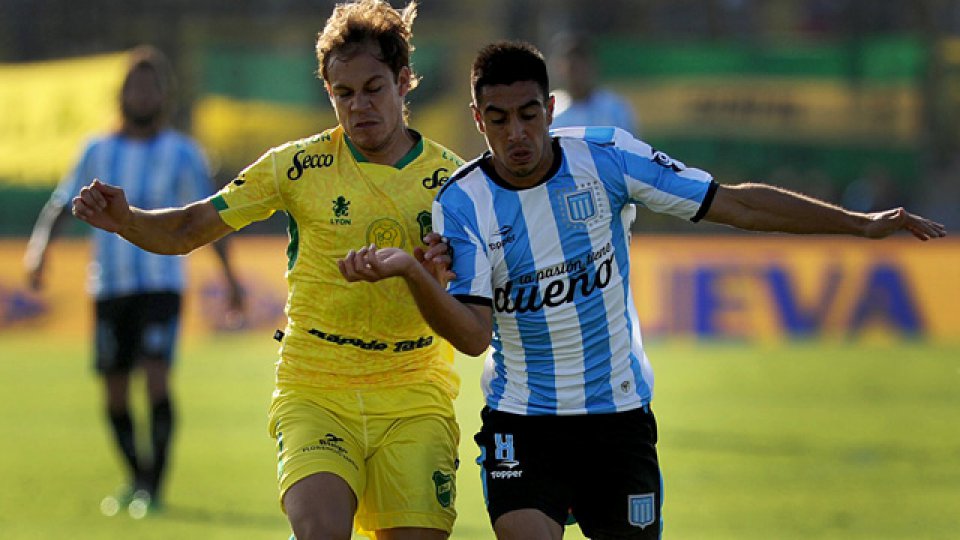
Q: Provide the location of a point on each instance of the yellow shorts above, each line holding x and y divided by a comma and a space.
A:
396, 448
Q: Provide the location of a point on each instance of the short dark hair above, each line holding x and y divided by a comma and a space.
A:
507, 62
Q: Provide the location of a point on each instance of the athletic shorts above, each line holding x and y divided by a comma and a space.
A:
135, 327
396, 448
601, 468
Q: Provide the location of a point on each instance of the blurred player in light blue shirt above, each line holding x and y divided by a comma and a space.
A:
137, 295
581, 102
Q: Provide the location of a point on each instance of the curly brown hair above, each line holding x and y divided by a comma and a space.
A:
354, 24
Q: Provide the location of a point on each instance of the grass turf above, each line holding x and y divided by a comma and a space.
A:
803, 441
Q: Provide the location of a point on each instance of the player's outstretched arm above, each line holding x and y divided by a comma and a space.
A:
44, 230
761, 207
467, 328
169, 231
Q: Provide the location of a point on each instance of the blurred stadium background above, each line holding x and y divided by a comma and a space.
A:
830, 409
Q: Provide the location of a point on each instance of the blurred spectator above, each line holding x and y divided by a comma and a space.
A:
138, 294
580, 102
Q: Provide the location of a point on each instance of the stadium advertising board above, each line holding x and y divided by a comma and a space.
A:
49, 108
731, 288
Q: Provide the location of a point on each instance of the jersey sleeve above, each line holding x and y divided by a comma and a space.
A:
471, 265
254, 195
661, 183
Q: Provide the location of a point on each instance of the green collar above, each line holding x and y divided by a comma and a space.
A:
413, 154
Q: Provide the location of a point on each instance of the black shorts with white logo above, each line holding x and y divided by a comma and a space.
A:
601, 468
135, 327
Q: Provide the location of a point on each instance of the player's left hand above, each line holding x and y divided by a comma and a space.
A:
371, 264
435, 258
885, 223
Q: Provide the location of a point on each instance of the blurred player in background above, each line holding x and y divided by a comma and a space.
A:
580, 101
363, 408
538, 228
138, 294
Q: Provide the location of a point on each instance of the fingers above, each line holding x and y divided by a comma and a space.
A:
90, 201
436, 249
360, 265
922, 228
432, 238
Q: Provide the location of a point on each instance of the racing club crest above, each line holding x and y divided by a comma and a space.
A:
642, 510
581, 205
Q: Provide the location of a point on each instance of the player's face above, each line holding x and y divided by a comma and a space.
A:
367, 99
515, 120
142, 98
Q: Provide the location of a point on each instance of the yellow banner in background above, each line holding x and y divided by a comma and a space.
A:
757, 288
47, 110
236, 132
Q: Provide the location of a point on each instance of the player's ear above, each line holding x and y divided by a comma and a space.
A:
477, 117
403, 80
326, 86
551, 102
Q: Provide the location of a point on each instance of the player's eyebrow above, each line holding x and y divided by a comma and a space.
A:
364, 83
495, 109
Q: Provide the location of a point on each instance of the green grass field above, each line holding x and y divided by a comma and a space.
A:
837, 441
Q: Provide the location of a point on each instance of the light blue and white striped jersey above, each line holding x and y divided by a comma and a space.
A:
553, 261
164, 171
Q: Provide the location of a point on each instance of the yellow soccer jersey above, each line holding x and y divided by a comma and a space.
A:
347, 335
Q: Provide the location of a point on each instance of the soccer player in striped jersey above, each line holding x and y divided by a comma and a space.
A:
137, 293
363, 407
539, 228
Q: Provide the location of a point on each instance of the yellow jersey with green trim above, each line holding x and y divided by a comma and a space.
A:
343, 335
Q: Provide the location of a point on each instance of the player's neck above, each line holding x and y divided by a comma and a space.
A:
393, 151
138, 131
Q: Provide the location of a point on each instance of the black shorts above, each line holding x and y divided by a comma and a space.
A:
134, 327
601, 468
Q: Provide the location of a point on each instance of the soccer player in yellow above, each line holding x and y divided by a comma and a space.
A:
363, 408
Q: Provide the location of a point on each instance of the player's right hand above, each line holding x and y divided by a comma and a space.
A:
103, 206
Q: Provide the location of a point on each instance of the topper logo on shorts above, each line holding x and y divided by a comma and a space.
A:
506, 457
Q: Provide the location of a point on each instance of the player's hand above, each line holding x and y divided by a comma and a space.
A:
435, 259
103, 206
371, 264
883, 224
33, 265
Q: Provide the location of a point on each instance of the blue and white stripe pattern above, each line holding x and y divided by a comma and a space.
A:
553, 260
164, 171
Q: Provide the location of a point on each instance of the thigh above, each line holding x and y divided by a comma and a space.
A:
114, 342
411, 474
619, 494
320, 506
523, 464
312, 439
